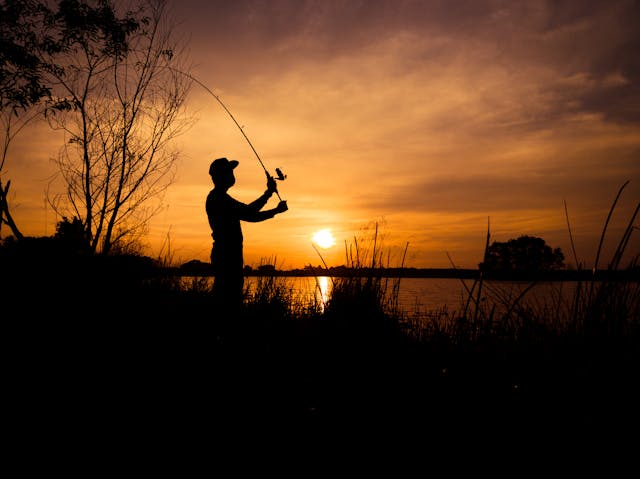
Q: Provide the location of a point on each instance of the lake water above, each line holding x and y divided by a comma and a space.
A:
420, 295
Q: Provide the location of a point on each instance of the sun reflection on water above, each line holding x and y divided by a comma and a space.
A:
323, 290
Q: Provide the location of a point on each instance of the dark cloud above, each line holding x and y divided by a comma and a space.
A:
618, 102
597, 40
327, 28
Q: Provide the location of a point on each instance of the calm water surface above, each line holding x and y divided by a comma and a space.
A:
417, 295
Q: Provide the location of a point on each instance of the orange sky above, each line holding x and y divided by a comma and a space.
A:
426, 117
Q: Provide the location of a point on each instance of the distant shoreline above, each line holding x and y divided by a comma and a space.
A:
203, 269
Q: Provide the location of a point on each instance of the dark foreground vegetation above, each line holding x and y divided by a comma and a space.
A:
109, 345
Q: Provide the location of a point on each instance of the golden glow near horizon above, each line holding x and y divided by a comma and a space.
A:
324, 238
429, 119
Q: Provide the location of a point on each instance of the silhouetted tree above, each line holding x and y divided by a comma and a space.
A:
111, 81
22, 37
524, 254
120, 93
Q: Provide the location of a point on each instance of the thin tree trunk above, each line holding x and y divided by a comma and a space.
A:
5, 215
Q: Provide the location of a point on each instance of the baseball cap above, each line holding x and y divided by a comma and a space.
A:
221, 165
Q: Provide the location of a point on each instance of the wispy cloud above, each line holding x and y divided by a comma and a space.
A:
432, 114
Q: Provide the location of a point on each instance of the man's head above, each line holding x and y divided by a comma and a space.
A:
221, 171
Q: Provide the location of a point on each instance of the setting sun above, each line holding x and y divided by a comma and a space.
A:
324, 238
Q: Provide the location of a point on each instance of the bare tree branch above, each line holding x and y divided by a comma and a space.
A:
127, 108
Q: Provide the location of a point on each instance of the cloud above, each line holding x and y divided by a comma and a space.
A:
434, 114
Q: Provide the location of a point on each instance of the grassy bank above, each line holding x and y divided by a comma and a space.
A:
111, 343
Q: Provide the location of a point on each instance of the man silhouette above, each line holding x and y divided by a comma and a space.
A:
224, 214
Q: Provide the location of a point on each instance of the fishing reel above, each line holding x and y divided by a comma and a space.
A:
280, 176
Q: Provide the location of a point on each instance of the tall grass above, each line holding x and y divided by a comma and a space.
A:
365, 292
601, 308
604, 306
500, 355
568, 360
274, 296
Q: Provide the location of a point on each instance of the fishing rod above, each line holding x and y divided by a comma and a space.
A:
279, 175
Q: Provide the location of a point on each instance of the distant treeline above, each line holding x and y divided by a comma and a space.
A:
34, 253
199, 268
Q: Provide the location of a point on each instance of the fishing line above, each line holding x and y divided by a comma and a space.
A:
278, 171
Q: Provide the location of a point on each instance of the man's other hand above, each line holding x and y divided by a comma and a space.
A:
272, 186
282, 207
